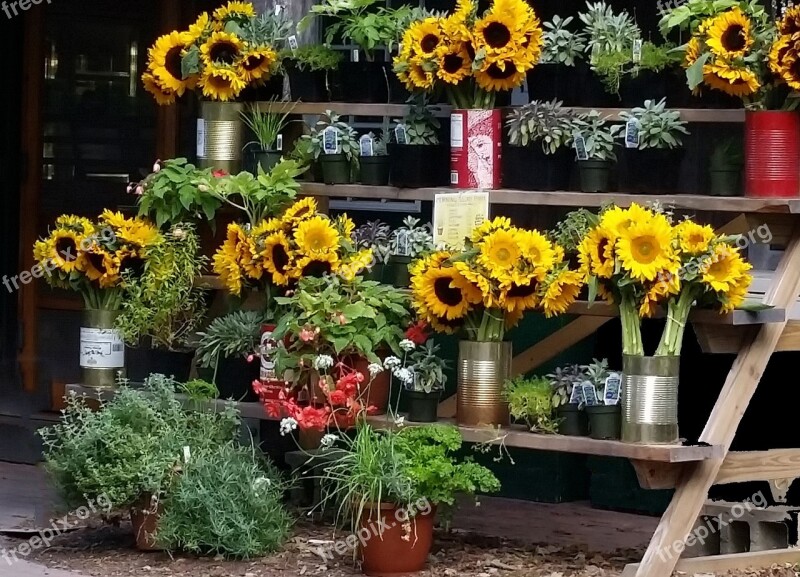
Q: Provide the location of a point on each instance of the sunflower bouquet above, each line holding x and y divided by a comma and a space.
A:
280, 251
471, 57
504, 272
220, 54
636, 258
93, 258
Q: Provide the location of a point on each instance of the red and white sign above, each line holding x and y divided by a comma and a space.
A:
476, 149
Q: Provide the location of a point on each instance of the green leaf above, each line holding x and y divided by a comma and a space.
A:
694, 74
754, 307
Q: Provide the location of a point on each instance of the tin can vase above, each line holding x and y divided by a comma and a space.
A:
220, 136
102, 350
650, 400
476, 149
772, 154
483, 369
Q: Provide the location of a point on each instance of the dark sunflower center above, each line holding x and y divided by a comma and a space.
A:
795, 69
494, 71
253, 62
280, 258
521, 292
219, 82
97, 261
429, 43
453, 63
132, 264
317, 269
67, 249
173, 62
733, 39
453, 324
497, 35
470, 50
225, 52
445, 293
601, 249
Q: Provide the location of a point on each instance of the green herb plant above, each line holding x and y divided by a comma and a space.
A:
422, 127
547, 124
531, 401
314, 57
267, 126
412, 239
599, 135
235, 335
562, 45
428, 369
562, 381
348, 138
659, 127
572, 229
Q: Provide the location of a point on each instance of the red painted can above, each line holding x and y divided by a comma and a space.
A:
476, 149
270, 380
772, 154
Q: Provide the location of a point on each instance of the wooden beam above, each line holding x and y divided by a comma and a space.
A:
741, 467
556, 343
721, 339
732, 562
652, 475
734, 398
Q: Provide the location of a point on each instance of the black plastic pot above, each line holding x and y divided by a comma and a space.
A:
308, 85
647, 85
235, 378
267, 159
376, 273
396, 272
529, 168
365, 81
423, 407
595, 175
605, 422
142, 362
573, 421
419, 166
554, 81
398, 93
374, 170
651, 171
335, 169
725, 182
591, 92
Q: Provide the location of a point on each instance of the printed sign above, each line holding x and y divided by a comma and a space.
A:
102, 349
367, 145
611, 393
456, 215
400, 134
201, 138
589, 394
632, 133
293, 42
187, 454
576, 398
330, 140
403, 243
580, 148
279, 143
637, 51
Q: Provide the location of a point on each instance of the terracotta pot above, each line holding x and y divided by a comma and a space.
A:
144, 519
377, 393
397, 550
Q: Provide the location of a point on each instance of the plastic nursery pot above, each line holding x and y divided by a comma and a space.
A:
422, 407
335, 169
308, 85
605, 422
145, 516
402, 548
529, 168
647, 85
374, 170
554, 81
591, 92
377, 393
651, 171
142, 362
397, 273
267, 159
235, 378
573, 421
595, 175
725, 182
365, 81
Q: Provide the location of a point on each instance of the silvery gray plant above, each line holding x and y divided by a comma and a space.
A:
563, 380
599, 135
561, 45
546, 123
417, 239
421, 126
659, 127
608, 31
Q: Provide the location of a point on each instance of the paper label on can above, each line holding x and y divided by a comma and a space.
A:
456, 131
201, 138
102, 349
268, 348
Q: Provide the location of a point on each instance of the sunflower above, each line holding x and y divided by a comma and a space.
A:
446, 293
419, 77
200, 28
693, 51
165, 63
256, 64
235, 11
521, 297
478, 280
316, 235
64, 250
694, 239
130, 262
501, 75
789, 24
645, 248
102, 267
667, 285
226, 266
730, 35
345, 225
317, 266
489, 226
443, 325
496, 33
221, 84
724, 269
536, 249
425, 36
163, 96
736, 294
277, 258
300, 210
266, 228
784, 61
222, 48
138, 233
79, 224
561, 292
596, 253
455, 63
738, 82
618, 220
356, 263
499, 252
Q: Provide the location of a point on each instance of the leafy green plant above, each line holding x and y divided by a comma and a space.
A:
347, 137
422, 127
267, 126
598, 134
411, 239
530, 400
570, 232
596, 373
163, 306
315, 57
378, 143
608, 31
427, 367
658, 126
237, 334
610, 68
687, 16
173, 193
562, 381
270, 28
658, 57
548, 124
561, 45
226, 502
376, 236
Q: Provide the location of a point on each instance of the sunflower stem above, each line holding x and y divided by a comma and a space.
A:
677, 317
631, 327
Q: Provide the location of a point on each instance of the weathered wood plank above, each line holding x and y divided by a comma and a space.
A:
556, 344
731, 562
740, 467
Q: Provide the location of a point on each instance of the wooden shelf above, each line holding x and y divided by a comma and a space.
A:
443, 110
705, 317
733, 204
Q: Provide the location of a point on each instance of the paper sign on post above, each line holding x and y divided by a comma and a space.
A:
456, 215
611, 394
589, 394
330, 140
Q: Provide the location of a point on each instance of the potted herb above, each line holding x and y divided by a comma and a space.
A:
374, 161
572, 419
594, 144
406, 474
335, 145
530, 401
417, 158
605, 416
651, 76
163, 308
556, 77
725, 168
653, 148
408, 243
570, 232
422, 374
267, 128
229, 348
540, 156
309, 70
376, 237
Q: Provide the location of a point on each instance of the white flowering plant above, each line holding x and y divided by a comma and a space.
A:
422, 369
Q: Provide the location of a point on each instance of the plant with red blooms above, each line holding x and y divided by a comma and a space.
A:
418, 333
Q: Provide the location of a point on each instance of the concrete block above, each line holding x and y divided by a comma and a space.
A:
766, 536
734, 537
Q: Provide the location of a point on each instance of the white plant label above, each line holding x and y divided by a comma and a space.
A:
632, 135
580, 148
330, 140
279, 143
637, 51
187, 454
403, 244
367, 145
356, 55
201, 138
589, 394
576, 398
102, 349
293, 45
611, 394
278, 9
400, 134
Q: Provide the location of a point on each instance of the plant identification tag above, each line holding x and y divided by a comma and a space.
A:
576, 398
330, 140
611, 393
580, 147
201, 138
279, 143
400, 134
187, 454
589, 394
403, 244
278, 9
293, 42
637, 51
367, 145
356, 55
632, 133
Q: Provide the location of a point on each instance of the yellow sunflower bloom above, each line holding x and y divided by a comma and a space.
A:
222, 48
498, 34
501, 75
222, 84
455, 63
737, 82
596, 253
256, 64
101, 267
277, 258
63, 250
561, 293
425, 37
536, 249
737, 294
419, 78
318, 265
301, 210
345, 225
730, 34
200, 28
646, 248
784, 61
478, 280
446, 293
165, 63
499, 252
692, 53
227, 267
694, 239
724, 269
618, 220
316, 235
356, 263
79, 224
789, 24
162, 96
489, 226
519, 298
235, 11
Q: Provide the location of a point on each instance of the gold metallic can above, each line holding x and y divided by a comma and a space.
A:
220, 136
483, 369
102, 350
650, 399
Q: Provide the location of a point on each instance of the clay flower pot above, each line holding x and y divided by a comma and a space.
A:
402, 548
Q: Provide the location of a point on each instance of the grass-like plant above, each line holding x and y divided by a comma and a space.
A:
268, 125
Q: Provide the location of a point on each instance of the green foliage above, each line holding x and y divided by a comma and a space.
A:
348, 137
562, 381
173, 194
548, 124
596, 373
412, 239
237, 334
561, 45
659, 127
358, 317
376, 236
690, 14
267, 126
570, 232
608, 31
162, 305
422, 127
315, 57
270, 28
599, 135
226, 502
657, 58
530, 400
428, 367
610, 68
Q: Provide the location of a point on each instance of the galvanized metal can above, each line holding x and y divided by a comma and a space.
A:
650, 399
483, 369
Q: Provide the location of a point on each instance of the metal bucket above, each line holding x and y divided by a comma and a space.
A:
483, 369
650, 399
220, 136
102, 352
